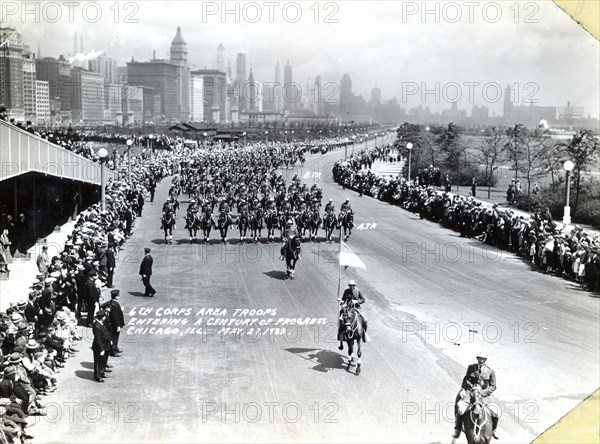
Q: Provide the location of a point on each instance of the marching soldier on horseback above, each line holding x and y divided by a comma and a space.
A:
224, 207
479, 376
346, 207
330, 207
352, 297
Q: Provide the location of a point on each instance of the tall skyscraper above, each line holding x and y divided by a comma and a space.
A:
277, 89
42, 102
163, 76
179, 56
197, 98
29, 84
252, 93
11, 73
221, 58
508, 103
88, 96
318, 97
290, 91
346, 99
215, 93
375, 96
239, 85
57, 72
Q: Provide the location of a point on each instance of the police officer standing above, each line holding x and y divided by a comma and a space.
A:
100, 346
117, 320
146, 272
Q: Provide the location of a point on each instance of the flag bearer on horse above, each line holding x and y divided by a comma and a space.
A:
352, 297
479, 376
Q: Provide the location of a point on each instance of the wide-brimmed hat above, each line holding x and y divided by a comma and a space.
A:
15, 358
32, 344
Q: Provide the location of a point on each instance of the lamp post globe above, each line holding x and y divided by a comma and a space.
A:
568, 166
409, 146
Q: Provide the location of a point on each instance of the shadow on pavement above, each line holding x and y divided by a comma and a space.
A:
85, 374
276, 274
136, 293
88, 365
323, 359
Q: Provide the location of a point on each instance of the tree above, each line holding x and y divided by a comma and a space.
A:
582, 150
553, 157
491, 151
532, 164
514, 146
451, 144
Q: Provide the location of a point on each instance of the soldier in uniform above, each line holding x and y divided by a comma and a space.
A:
330, 207
146, 272
478, 376
352, 297
346, 207
100, 346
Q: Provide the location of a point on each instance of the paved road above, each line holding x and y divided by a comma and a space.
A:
433, 301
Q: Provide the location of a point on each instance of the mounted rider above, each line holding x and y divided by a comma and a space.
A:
346, 207
330, 207
480, 377
352, 297
224, 207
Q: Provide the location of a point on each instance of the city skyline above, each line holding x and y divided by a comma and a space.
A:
522, 55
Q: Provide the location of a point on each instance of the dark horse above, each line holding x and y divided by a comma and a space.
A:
346, 221
302, 222
291, 252
313, 225
272, 223
206, 223
329, 224
256, 224
167, 224
477, 420
223, 223
242, 223
191, 224
353, 330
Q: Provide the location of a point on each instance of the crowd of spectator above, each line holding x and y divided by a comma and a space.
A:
574, 254
38, 334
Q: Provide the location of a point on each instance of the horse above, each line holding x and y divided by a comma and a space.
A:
313, 225
329, 224
223, 223
346, 221
353, 330
256, 224
242, 223
191, 224
283, 226
477, 420
167, 224
206, 223
291, 250
302, 221
272, 222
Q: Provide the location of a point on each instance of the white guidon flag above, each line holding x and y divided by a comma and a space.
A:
348, 258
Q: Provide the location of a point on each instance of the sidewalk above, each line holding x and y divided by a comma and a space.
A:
24, 269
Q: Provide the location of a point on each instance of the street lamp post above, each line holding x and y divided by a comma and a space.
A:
151, 139
266, 137
129, 143
346, 148
568, 166
353, 142
205, 134
102, 154
244, 134
409, 146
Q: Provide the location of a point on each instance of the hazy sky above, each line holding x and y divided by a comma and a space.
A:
388, 44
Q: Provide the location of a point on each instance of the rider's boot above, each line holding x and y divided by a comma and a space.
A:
494, 427
457, 426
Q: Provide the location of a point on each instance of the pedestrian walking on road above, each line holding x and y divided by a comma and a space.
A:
146, 272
